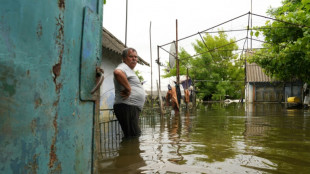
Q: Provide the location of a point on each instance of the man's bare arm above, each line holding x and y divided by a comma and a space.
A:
120, 76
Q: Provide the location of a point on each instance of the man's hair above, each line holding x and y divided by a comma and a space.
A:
125, 52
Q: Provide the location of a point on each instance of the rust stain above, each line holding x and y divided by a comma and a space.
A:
56, 71
60, 44
55, 122
53, 156
60, 24
33, 126
61, 4
38, 102
55, 103
58, 86
34, 164
39, 30
53, 162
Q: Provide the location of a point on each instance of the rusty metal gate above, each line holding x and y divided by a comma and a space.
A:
49, 51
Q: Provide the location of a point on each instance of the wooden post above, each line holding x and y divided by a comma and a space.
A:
159, 85
186, 85
151, 67
158, 67
176, 54
160, 101
177, 63
126, 23
194, 95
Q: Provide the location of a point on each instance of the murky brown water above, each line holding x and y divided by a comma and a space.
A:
217, 138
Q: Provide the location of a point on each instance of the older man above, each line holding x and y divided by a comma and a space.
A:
129, 94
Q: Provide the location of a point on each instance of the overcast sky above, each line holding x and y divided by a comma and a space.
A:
193, 17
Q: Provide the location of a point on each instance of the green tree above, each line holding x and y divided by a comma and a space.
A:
137, 72
286, 55
216, 64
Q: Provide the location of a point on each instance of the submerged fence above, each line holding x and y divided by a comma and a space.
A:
110, 134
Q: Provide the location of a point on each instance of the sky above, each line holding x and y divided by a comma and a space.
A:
152, 23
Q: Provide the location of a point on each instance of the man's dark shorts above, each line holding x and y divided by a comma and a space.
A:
128, 117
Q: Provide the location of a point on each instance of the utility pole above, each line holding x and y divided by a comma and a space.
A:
158, 67
151, 66
177, 67
176, 55
251, 23
159, 86
126, 23
186, 85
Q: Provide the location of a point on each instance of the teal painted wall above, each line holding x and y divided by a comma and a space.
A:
45, 125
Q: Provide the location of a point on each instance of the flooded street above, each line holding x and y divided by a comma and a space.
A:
216, 138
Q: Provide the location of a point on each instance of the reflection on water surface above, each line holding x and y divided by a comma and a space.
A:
217, 138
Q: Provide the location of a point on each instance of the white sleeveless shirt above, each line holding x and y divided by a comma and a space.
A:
137, 95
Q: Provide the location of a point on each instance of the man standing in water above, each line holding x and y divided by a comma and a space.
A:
129, 94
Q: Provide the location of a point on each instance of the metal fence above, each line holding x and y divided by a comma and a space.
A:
110, 134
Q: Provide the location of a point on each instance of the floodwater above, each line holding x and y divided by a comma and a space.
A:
215, 138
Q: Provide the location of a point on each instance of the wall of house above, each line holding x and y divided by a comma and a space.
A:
110, 60
293, 90
267, 92
249, 93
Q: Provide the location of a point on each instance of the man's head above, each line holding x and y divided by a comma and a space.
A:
130, 57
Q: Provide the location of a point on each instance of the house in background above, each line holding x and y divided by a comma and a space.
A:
262, 88
111, 56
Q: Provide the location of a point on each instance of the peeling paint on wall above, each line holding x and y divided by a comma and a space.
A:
40, 51
61, 4
60, 45
39, 30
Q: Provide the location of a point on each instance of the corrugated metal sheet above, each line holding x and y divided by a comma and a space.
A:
110, 42
254, 73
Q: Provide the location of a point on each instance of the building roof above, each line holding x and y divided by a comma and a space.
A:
110, 42
254, 73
